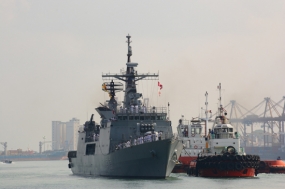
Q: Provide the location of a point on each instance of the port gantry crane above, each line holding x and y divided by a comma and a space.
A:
5, 147
41, 143
270, 118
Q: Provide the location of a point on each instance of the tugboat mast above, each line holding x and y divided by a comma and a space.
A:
220, 100
206, 103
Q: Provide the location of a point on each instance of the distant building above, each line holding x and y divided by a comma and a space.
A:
65, 134
72, 134
58, 135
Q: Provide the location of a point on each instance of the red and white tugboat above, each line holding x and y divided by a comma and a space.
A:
223, 156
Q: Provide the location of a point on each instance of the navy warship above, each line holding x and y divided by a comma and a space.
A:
132, 139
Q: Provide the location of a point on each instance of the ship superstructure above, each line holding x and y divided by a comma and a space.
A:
132, 139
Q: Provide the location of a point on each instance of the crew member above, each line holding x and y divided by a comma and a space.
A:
159, 135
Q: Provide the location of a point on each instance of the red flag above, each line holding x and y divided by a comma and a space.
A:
160, 85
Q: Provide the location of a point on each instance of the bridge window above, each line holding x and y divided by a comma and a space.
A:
152, 117
131, 117
137, 117
225, 130
120, 117
142, 118
125, 117
198, 130
192, 131
217, 130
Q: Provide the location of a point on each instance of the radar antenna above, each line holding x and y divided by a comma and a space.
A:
130, 77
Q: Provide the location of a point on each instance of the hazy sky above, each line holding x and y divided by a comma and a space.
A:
52, 55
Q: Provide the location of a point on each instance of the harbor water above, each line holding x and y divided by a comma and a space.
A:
55, 175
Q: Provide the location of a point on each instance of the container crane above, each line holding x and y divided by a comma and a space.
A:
5, 147
41, 143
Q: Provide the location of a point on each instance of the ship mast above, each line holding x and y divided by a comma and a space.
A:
206, 103
130, 77
220, 100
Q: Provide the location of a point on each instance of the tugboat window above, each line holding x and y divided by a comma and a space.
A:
131, 117
152, 117
125, 117
193, 131
198, 131
142, 118
137, 117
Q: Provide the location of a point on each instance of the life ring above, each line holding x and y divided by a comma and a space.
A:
231, 150
193, 135
195, 147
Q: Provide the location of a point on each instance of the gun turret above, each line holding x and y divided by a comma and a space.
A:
89, 125
91, 119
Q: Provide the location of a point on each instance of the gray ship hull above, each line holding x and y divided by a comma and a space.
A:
149, 160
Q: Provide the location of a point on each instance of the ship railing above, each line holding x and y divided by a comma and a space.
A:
185, 122
136, 141
142, 110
